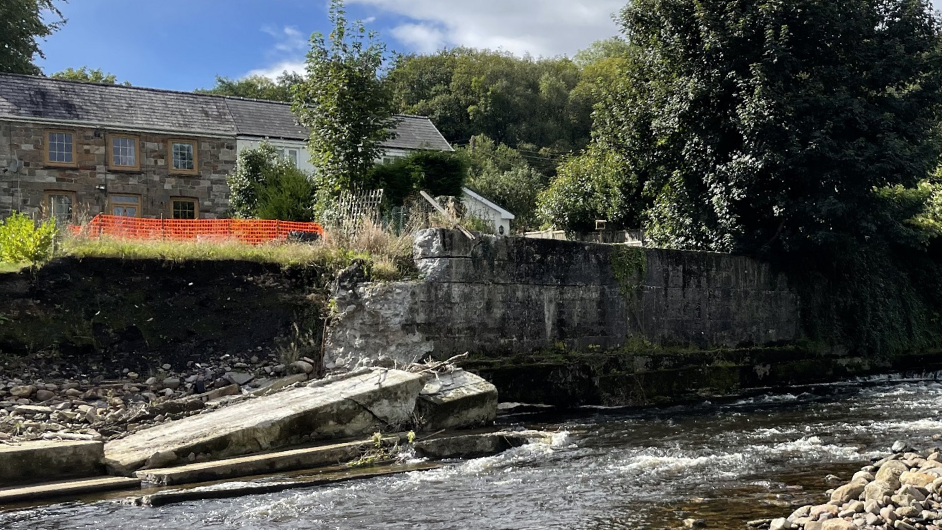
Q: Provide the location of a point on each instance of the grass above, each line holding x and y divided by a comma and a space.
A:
283, 253
12, 267
388, 256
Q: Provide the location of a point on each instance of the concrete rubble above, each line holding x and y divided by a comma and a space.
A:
358, 403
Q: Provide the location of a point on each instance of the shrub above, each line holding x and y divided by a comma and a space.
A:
265, 186
21, 241
436, 172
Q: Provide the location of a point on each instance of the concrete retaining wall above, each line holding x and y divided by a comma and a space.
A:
503, 296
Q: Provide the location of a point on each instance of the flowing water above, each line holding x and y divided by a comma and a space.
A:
726, 463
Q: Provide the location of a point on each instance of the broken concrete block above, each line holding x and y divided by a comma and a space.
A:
458, 399
31, 462
370, 401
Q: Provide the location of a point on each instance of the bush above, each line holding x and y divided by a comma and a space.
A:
264, 186
436, 172
21, 241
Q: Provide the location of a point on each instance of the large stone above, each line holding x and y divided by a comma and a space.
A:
456, 399
876, 490
356, 404
890, 472
22, 391
915, 478
847, 492
31, 462
838, 524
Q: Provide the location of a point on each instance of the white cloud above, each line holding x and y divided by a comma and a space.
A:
421, 37
287, 52
537, 27
276, 70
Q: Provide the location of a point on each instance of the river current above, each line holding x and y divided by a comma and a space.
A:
725, 462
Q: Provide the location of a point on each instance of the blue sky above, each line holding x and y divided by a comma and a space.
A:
184, 44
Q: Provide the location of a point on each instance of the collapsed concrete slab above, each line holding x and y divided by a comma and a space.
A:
358, 403
458, 399
49, 460
305, 458
70, 488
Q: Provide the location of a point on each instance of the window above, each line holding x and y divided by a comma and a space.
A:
60, 148
59, 206
125, 205
291, 155
183, 208
123, 152
183, 156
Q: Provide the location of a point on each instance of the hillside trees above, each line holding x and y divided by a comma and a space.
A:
255, 87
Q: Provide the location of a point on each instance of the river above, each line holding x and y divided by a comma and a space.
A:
725, 463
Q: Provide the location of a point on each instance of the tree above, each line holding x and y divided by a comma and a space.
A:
85, 75
344, 104
21, 27
765, 127
266, 186
504, 175
255, 87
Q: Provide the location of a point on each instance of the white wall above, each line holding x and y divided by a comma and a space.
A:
483, 211
304, 158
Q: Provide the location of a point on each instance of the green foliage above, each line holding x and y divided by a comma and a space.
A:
764, 128
21, 28
255, 87
436, 172
21, 241
629, 265
85, 75
502, 175
345, 105
521, 102
265, 186
593, 185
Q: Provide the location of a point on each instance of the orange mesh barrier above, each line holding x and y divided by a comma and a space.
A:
251, 231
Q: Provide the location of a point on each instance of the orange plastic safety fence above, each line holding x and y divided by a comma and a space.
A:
251, 231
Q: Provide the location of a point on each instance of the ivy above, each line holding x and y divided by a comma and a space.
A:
629, 266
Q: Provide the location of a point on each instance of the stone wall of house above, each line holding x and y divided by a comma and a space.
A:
92, 180
505, 296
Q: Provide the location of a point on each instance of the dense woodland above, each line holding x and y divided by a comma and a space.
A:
806, 133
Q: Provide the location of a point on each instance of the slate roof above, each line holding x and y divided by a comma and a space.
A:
149, 109
143, 109
268, 119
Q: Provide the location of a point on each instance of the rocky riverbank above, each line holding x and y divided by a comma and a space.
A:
70, 405
902, 491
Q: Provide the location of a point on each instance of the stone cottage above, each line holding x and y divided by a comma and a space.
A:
72, 150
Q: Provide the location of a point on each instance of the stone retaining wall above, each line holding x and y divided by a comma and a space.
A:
503, 296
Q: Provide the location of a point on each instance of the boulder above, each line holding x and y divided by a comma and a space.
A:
457, 399
847, 492
876, 490
915, 478
838, 524
890, 472
22, 391
44, 395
